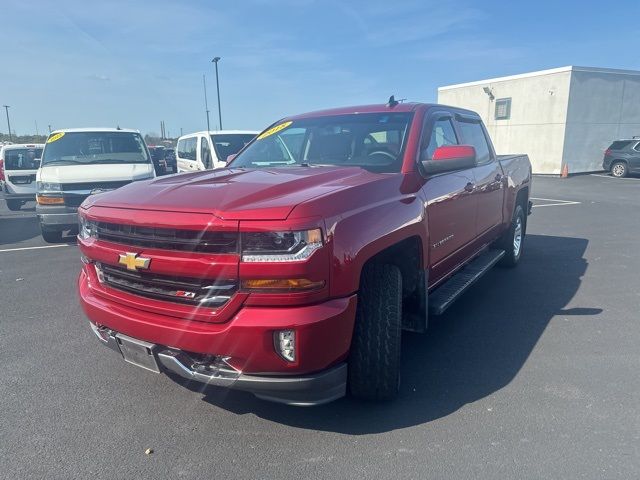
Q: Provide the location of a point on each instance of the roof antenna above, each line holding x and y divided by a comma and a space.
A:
118, 127
392, 101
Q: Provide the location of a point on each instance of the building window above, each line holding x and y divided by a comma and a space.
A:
503, 109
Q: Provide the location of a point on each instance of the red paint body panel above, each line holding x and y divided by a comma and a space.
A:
452, 215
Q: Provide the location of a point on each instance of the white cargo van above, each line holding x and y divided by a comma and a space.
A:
207, 150
18, 166
80, 162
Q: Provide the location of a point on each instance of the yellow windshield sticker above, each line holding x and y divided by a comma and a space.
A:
54, 137
273, 130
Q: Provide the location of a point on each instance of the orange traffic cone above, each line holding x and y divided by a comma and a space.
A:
565, 171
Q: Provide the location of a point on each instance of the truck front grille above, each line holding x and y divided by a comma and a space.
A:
169, 238
190, 291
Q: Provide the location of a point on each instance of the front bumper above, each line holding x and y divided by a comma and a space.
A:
304, 390
245, 341
57, 217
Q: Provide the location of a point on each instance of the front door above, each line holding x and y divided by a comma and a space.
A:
450, 203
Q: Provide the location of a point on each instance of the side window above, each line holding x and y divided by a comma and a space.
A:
637, 147
180, 148
442, 133
205, 152
473, 134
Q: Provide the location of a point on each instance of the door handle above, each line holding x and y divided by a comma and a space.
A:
469, 187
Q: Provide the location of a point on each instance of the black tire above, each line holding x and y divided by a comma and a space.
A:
508, 242
14, 205
619, 169
374, 362
51, 236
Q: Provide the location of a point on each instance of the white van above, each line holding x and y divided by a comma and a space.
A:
82, 161
207, 150
18, 166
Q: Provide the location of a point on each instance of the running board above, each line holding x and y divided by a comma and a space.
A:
445, 295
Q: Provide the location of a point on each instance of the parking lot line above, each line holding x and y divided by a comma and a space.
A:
35, 248
609, 177
554, 202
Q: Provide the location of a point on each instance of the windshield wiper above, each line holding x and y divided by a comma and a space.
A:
63, 161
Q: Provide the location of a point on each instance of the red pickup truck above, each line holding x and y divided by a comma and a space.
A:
291, 273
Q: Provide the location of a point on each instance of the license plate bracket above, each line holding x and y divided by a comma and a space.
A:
138, 352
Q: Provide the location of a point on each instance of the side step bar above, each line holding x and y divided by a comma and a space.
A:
445, 295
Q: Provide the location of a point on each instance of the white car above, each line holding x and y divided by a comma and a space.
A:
18, 166
207, 150
80, 162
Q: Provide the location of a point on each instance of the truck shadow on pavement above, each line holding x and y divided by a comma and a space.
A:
472, 351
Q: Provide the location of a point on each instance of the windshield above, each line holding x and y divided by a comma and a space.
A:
230, 143
22, 158
95, 148
374, 141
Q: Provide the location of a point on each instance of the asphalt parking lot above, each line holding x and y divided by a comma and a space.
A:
534, 373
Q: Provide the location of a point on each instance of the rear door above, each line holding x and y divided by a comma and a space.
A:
450, 204
488, 190
186, 154
21, 165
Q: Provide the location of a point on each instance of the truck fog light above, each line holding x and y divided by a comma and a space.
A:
285, 343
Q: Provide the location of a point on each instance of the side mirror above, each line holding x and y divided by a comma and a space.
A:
449, 158
231, 157
37, 162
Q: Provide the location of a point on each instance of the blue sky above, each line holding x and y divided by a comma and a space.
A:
134, 63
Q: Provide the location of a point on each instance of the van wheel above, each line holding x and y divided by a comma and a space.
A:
513, 239
619, 169
14, 205
51, 236
374, 362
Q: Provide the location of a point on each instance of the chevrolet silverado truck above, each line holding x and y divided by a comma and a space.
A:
292, 272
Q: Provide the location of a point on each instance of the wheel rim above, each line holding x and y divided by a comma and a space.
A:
517, 237
618, 170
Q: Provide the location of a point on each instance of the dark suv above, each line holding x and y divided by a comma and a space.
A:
622, 157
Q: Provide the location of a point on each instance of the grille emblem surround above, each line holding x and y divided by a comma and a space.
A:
133, 262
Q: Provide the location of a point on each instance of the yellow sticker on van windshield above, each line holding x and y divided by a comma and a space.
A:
54, 137
273, 130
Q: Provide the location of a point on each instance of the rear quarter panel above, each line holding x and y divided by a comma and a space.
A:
517, 170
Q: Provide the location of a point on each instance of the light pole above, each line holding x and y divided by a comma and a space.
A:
206, 105
215, 61
49, 129
6, 108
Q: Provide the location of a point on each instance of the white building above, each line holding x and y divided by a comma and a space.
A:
561, 117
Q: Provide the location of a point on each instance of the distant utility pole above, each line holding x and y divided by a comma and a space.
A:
49, 128
6, 108
37, 132
181, 131
215, 61
206, 105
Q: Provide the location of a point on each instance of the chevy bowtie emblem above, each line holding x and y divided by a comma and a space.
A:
133, 262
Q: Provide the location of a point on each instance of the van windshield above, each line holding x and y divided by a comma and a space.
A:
374, 141
229, 143
95, 148
22, 158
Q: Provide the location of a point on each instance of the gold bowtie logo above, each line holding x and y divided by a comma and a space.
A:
133, 262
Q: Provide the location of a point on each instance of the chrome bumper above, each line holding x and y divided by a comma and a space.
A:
305, 390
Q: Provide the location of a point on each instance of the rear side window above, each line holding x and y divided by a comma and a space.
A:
22, 158
187, 148
619, 145
473, 134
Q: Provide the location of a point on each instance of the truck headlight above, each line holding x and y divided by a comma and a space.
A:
86, 228
280, 246
46, 187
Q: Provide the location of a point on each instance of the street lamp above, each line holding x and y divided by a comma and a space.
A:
215, 61
6, 108
206, 104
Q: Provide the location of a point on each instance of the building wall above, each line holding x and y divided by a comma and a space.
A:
603, 106
538, 114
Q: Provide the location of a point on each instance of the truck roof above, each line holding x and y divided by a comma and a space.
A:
375, 108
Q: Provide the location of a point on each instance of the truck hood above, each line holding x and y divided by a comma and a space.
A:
234, 194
